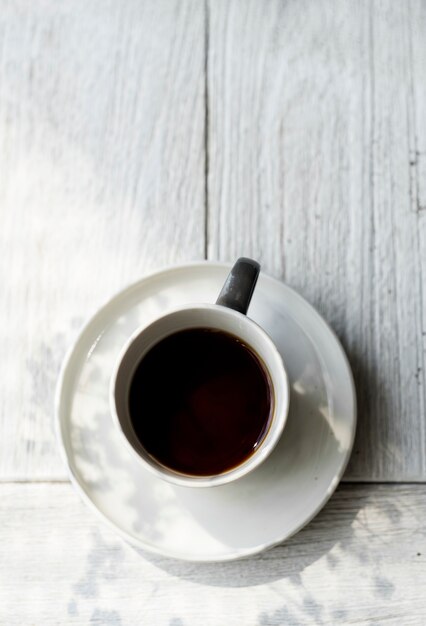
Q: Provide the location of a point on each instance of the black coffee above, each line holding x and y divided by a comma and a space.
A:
200, 402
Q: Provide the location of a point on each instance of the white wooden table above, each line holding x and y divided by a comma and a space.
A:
142, 133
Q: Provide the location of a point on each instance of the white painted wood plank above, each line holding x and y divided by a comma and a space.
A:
417, 46
101, 180
316, 110
418, 177
362, 560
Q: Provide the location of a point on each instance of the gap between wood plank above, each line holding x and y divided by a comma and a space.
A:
36, 481
354, 483
206, 128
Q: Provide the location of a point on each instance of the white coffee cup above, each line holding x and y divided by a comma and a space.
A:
227, 315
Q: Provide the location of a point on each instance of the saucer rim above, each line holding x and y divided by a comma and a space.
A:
74, 479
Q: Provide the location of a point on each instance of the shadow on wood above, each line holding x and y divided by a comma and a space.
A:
374, 444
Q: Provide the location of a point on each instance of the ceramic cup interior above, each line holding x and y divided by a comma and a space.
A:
202, 316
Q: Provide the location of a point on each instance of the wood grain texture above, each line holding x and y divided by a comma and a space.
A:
316, 167
417, 47
362, 560
101, 180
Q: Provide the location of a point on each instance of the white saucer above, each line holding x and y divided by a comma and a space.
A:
233, 520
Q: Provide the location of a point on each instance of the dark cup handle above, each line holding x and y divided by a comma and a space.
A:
239, 286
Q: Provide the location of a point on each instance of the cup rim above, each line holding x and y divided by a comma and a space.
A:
271, 437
